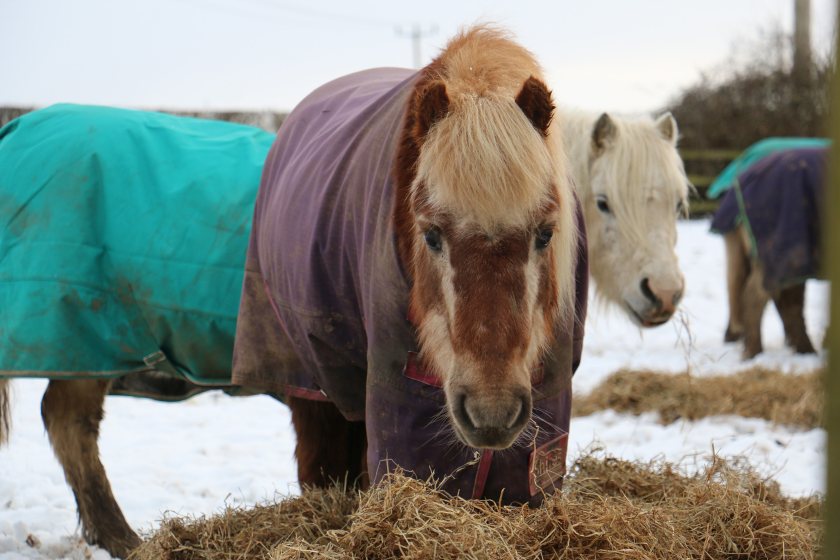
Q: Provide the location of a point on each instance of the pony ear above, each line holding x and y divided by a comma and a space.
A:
603, 132
432, 105
667, 126
535, 101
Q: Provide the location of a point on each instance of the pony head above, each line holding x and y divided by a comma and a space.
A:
633, 188
486, 229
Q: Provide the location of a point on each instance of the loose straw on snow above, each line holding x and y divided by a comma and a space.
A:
794, 400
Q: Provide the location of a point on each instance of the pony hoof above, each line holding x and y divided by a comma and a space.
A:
732, 336
749, 354
121, 547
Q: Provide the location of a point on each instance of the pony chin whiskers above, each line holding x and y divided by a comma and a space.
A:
548, 428
445, 436
539, 414
445, 432
439, 416
525, 439
453, 445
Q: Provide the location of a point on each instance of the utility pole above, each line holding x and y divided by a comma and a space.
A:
802, 41
417, 34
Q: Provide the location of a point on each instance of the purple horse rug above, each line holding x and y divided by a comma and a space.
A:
778, 200
324, 305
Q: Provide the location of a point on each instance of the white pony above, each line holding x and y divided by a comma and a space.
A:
632, 185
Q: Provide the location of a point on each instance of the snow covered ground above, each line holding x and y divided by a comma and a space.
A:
195, 457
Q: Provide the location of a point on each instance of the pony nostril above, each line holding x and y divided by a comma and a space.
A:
465, 415
678, 297
516, 414
523, 412
645, 287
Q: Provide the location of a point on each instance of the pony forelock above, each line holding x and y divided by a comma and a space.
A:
638, 164
486, 161
482, 160
485, 158
641, 166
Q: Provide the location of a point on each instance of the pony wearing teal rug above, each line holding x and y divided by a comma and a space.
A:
124, 237
122, 247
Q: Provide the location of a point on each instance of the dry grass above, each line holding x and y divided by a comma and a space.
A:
610, 509
795, 400
250, 533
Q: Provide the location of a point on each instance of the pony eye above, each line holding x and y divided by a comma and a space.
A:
433, 240
543, 237
602, 204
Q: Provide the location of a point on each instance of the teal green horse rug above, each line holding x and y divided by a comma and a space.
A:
123, 237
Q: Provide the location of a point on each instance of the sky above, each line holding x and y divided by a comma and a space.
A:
626, 56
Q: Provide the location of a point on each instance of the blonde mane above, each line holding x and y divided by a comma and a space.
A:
641, 164
485, 159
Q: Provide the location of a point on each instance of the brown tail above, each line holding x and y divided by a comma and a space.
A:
5, 412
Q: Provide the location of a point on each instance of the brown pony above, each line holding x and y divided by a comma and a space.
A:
481, 194
770, 221
449, 276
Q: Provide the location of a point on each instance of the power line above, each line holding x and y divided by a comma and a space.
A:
274, 8
323, 14
261, 9
417, 34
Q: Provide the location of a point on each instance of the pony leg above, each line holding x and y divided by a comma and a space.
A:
330, 449
5, 413
737, 269
72, 411
753, 301
789, 303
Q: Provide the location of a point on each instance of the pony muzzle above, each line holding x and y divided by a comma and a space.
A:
662, 302
490, 419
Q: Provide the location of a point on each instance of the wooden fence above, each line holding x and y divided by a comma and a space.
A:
702, 166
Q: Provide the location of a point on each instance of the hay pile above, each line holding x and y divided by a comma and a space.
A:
795, 400
609, 509
253, 532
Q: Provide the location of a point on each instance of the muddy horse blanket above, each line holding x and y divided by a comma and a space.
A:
778, 201
122, 245
324, 304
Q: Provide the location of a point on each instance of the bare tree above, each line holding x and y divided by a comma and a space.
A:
755, 95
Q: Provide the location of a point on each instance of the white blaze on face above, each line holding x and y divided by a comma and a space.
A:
485, 333
539, 327
434, 333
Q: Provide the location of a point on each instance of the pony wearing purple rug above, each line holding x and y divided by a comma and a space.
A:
416, 279
770, 220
